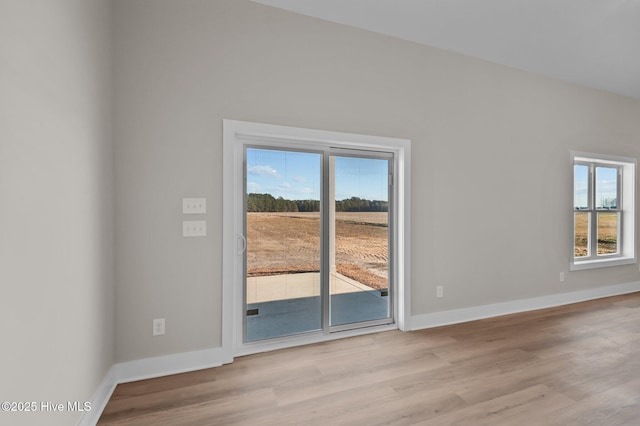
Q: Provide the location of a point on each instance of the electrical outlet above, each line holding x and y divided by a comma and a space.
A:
561, 277
194, 205
158, 326
439, 291
194, 228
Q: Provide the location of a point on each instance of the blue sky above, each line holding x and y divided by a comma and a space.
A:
296, 175
606, 183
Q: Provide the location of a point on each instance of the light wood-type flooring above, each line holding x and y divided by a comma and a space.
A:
572, 365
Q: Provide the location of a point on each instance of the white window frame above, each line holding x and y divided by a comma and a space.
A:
235, 135
626, 253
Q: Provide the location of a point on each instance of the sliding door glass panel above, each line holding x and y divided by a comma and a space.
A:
359, 240
282, 287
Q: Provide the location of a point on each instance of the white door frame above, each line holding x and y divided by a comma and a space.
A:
235, 135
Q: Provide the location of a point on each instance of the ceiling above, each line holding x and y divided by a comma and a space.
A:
595, 43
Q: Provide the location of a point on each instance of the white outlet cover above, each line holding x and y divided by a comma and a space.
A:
158, 327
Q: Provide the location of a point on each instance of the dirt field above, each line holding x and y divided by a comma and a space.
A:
280, 243
607, 233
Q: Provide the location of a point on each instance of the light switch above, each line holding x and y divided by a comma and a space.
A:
194, 228
194, 205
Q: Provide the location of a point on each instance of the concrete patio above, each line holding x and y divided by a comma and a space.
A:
290, 304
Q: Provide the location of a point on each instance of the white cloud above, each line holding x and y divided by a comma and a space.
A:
265, 170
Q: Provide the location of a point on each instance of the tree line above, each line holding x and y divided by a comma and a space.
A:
268, 203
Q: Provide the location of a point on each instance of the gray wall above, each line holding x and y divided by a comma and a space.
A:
491, 175
56, 204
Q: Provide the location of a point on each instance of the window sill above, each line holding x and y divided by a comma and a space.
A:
601, 263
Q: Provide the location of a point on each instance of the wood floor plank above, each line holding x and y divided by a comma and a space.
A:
619, 405
331, 408
338, 381
571, 365
403, 410
503, 410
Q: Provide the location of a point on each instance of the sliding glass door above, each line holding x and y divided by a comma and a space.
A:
359, 238
283, 231
317, 227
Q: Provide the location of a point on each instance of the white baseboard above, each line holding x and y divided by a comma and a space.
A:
148, 368
99, 399
457, 316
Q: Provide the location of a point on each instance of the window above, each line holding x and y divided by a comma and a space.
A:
603, 211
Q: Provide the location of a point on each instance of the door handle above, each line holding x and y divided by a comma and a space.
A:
242, 244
